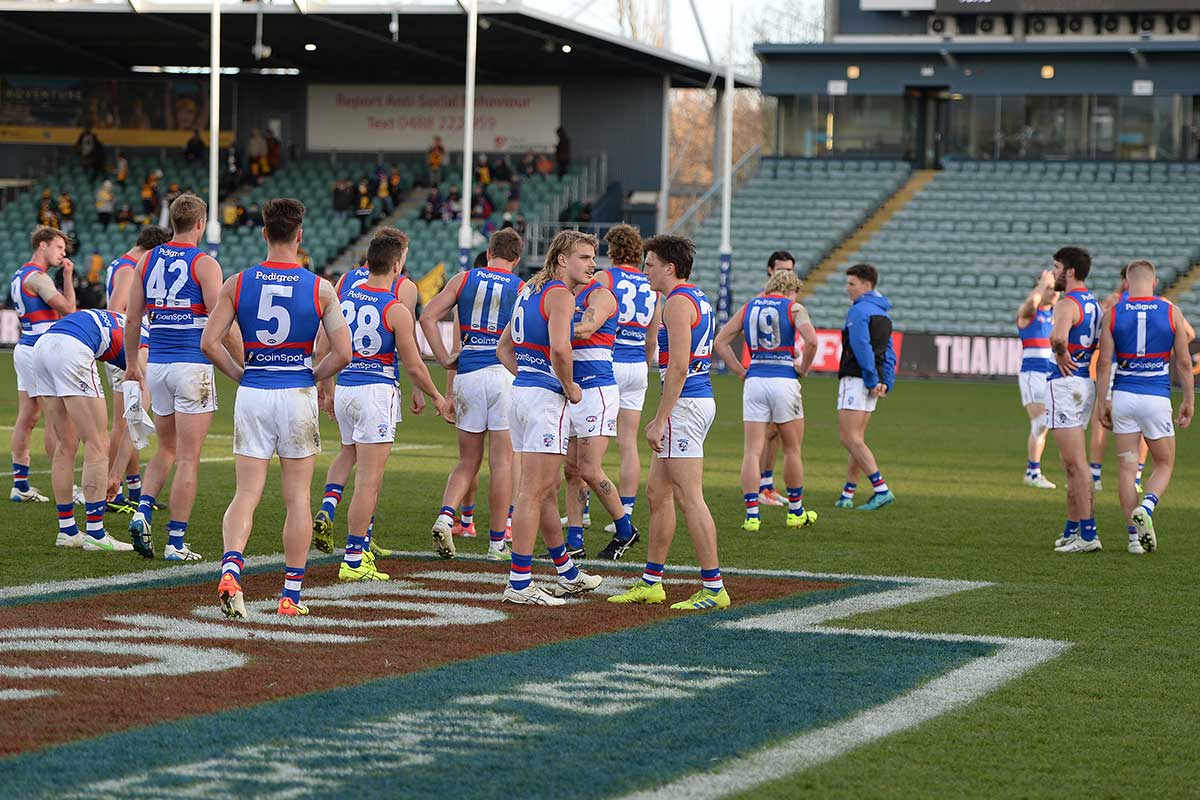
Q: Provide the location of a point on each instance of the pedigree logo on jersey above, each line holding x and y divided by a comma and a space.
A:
276, 277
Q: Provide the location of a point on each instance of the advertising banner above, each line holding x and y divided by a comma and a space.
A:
829, 350
1059, 6
382, 117
131, 112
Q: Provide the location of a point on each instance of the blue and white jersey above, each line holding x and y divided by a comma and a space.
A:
698, 382
35, 314
1084, 337
365, 309
279, 311
110, 273
531, 338
635, 307
358, 276
102, 331
174, 303
593, 356
770, 336
1035, 341
1143, 332
485, 305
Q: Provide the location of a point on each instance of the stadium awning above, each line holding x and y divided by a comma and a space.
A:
354, 43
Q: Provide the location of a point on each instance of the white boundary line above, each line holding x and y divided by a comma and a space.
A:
944, 694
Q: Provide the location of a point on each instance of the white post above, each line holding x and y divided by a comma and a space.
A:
725, 296
464, 230
664, 158
214, 128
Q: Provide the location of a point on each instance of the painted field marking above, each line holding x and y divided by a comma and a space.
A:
942, 695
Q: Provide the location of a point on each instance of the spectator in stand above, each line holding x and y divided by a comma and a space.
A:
585, 212
229, 213
91, 152
514, 193
66, 212
239, 214
304, 259
95, 267
124, 217
453, 208
149, 194
395, 187
501, 169
364, 206
528, 164
506, 221
429, 213
520, 226
544, 165
383, 191
122, 170
435, 157
562, 152
256, 152
481, 206
438, 202
483, 173
105, 203
254, 217
343, 198
195, 148
274, 152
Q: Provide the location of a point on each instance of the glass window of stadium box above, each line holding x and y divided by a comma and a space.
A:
816, 126
1010, 127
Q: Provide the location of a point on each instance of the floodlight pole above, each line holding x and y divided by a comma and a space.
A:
725, 294
214, 128
464, 229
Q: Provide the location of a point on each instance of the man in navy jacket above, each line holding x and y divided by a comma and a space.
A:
866, 373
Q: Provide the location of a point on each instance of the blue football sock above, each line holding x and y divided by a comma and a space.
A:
293, 577
519, 571
176, 530
133, 483
751, 499
624, 528
563, 563
333, 496
628, 503
575, 537
1087, 529
21, 477
146, 507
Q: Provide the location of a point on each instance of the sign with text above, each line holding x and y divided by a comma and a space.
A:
394, 117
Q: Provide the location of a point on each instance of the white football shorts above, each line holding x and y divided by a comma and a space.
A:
1033, 387
687, 427
540, 423
367, 414
186, 387
596, 413
771, 400
482, 398
853, 396
631, 383
1069, 402
283, 422
1147, 414
23, 364
63, 366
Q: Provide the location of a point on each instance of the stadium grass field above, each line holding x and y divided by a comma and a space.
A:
1115, 716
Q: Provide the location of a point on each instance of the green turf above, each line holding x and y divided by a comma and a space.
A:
1116, 716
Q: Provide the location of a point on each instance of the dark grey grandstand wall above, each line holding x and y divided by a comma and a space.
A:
621, 118
989, 74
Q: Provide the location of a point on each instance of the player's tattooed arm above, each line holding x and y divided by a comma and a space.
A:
602, 304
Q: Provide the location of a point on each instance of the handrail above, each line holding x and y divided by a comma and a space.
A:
706, 198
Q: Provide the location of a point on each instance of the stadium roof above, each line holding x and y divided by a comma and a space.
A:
517, 42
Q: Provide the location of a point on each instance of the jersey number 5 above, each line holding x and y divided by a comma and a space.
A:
268, 311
